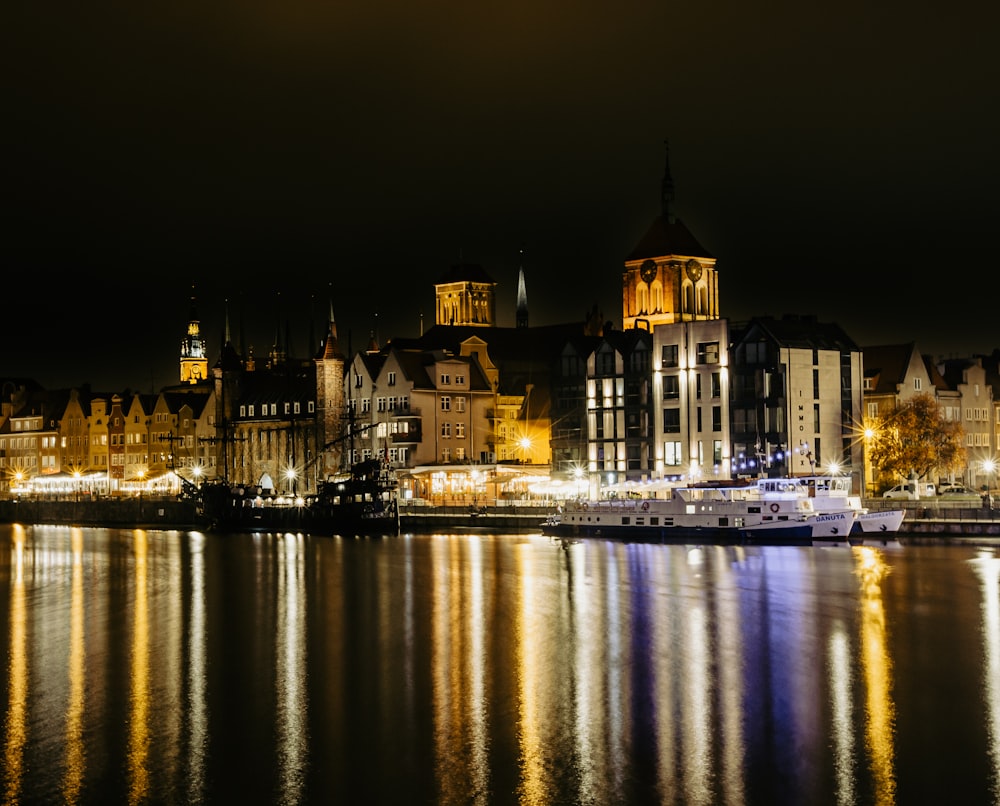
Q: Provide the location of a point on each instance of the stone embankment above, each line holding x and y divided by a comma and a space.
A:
924, 522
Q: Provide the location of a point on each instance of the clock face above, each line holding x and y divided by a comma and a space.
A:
694, 270
648, 271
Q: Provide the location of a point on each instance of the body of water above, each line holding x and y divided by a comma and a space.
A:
179, 667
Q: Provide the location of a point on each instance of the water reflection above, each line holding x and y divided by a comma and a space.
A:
197, 710
74, 747
138, 745
877, 665
290, 672
987, 568
17, 673
479, 669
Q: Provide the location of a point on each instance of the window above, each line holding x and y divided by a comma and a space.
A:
357, 380
366, 405
671, 421
708, 352
716, 384
391, 378
445, 379
445, 403
671, 387
459, 404
672, 454
295, 407
460, 381
460, 431
716, 418
446, 430
918, 384
380, 404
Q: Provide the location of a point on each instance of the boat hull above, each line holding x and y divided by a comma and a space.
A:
790, 533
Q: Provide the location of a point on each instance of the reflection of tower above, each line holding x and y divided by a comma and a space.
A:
669, 277
194, 359
466, 295
522, 296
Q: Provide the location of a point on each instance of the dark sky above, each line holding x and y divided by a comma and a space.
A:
841, 162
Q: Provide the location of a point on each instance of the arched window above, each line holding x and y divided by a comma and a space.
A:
656, 297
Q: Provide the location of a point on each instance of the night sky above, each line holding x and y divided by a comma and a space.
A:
283, 155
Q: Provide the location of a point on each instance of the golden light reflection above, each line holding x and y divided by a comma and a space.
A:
138, 740
839, 668
75, 763
871, 569
197, 670
446, 629
987, 567
290, 645
476, 716
17, 674
532, 790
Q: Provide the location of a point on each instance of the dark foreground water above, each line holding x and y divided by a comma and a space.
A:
176, 667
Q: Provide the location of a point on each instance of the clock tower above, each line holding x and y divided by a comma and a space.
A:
194, 352
669, 277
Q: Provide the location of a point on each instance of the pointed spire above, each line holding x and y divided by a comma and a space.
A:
227, 336
522, 296
667, 190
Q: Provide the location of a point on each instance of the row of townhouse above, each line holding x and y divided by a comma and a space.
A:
460, 408
102, 442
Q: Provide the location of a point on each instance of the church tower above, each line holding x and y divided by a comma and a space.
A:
669, 277
466, 295
194, 351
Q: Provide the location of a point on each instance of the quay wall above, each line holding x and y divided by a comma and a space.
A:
922, 523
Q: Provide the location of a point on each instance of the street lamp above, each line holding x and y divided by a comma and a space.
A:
989, 468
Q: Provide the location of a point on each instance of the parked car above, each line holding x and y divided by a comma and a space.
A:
910, 492
946, 486
956, 492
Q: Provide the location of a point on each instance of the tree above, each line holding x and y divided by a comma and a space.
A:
915, 439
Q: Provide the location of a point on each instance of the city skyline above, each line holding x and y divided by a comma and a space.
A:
285, 159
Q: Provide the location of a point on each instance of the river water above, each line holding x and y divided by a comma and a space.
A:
179, 667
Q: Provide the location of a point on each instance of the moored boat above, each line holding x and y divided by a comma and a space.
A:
719, 513
362, 502
831, 495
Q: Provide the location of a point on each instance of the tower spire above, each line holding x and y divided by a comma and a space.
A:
522, 295
667, 190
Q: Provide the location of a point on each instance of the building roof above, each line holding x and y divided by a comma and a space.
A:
466, 272
797, 332
668, 237
886, 366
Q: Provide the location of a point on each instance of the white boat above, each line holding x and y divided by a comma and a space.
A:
731, 513
832, 494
